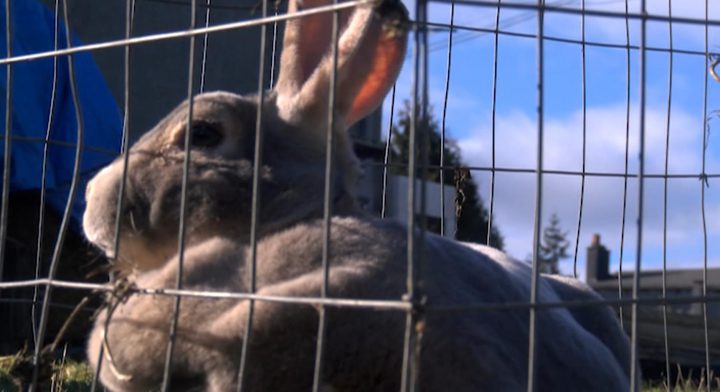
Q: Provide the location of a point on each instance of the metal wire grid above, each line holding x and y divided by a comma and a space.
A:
412, 304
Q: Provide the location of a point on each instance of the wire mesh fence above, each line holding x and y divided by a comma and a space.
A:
521, 40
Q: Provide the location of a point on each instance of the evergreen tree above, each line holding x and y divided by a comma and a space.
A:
472, 222
553, 247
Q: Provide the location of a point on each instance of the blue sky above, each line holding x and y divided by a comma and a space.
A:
469, 122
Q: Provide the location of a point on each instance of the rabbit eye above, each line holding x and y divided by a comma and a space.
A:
205, 135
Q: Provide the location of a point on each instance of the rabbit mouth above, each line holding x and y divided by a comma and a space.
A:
132, 252
105, 244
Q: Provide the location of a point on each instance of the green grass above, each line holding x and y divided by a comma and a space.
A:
74, 376
687, 386
684, 384
68, 375
6, 380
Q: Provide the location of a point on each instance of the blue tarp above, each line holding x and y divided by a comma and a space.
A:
32, 82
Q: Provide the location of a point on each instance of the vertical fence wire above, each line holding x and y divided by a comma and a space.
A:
634, 358
166, 382
493, 123
665, 197
327, 205
273, 48
7, 150
386, 158
129, 17
124, 150
532, 332
444, 118
206, 37
410, 362
419, 300
62, 231
44, 172
703, 183
256, 195
627, 160
584, 137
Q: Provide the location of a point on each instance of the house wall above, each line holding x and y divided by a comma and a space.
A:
397, 201
159, 70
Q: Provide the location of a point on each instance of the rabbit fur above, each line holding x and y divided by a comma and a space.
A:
578, 349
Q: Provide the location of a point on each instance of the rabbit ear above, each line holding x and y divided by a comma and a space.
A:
371, 49
300, 56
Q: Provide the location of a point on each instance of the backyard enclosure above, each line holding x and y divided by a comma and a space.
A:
601, 112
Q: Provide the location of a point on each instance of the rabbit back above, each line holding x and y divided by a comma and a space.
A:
469, 350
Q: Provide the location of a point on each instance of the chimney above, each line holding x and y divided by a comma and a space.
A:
598, 261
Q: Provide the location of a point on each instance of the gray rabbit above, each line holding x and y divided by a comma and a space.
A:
579, 349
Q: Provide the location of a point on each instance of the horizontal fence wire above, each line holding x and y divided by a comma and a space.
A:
545, 8
439, 26
384, 304
575, 173
336, 302
192, 32
139, 40
61, 143
36, 302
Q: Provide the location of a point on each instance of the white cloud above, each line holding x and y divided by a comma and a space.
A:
603, 197
605, 143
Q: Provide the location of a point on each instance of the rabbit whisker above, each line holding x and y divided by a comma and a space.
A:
111, 361
132, 223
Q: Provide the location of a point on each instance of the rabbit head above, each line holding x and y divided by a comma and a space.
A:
370, 51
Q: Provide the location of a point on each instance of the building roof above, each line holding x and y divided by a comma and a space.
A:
677, 279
